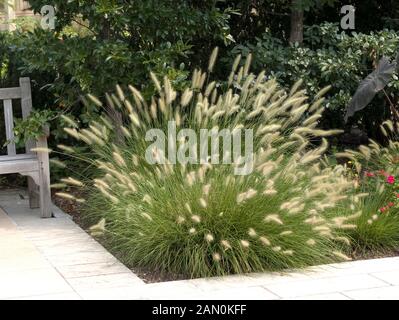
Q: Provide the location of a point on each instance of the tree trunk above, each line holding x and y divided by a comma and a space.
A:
296, 23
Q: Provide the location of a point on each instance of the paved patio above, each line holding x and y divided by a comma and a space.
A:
56, 259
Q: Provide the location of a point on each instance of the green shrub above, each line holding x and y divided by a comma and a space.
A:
121, 43
330, 57
201, 220
97, 45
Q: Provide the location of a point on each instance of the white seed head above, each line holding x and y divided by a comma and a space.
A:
252, 233
65, 195
264, 241
212, 59
41, 150
206, 189
244, 243
196, 218
246, 195
203, 203
343, 239
209, 238
146, 215
73, 182
342, 256
273, 218
216, 257
288, 252
180, 219
310, 242
58, 163
119, 159
270, 192
147, 199
225, 244
188, 207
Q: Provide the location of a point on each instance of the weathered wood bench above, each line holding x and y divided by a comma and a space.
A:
34, 165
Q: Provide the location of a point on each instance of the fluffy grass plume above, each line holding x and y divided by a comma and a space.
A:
202, 220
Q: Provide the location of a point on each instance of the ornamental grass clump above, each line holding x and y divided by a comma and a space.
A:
201, 219
375, 169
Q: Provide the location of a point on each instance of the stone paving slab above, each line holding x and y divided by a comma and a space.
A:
54, 259
90, 269
327, 296
384, 293
55, 296
391, 277
325, 285
32, 282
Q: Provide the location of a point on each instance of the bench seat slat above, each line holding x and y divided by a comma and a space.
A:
19, 166
18, 157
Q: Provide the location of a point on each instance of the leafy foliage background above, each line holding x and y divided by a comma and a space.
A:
98, 44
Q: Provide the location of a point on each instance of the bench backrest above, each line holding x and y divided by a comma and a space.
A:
23, 93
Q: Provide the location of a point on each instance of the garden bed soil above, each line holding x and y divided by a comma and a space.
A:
369, 255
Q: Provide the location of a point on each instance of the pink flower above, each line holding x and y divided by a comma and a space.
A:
397, 195
369, 174
383, 209
391, 179
391, 204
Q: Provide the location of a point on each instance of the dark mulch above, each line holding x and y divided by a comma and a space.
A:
150, 276
373, 254
70, 207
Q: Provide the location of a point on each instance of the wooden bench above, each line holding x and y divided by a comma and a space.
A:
34, 165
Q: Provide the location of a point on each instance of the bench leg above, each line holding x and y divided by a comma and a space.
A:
33, 190
44, 179
45, 195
